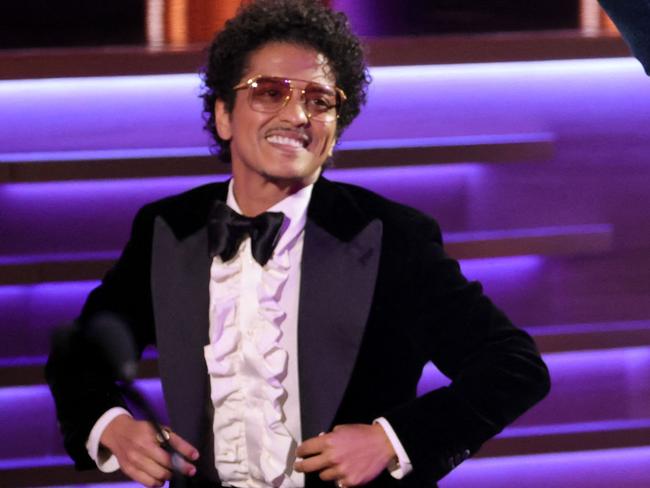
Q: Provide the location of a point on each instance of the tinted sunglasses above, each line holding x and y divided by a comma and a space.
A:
269, 94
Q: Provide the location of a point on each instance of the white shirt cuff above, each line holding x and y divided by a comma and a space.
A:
105, 461
403, 465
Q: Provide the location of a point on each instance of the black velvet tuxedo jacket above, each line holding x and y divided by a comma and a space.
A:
378, 299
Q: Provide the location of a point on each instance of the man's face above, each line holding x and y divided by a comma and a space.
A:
285, 148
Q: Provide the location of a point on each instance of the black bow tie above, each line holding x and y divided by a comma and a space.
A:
227, 229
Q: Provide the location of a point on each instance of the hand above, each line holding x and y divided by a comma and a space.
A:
352, 454
141, 458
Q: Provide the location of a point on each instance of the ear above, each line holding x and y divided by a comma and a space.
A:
222, 120
330, 149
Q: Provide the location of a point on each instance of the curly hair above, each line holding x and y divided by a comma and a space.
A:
304, 22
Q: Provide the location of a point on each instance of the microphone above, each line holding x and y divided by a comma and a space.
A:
110, 335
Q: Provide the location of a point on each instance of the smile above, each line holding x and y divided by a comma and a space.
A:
288, 139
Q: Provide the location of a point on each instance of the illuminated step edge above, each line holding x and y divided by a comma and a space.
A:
576, 337
546, 241
55, 268
28, 371
25, 371
619, 451
148, 163
568, 437
620, 468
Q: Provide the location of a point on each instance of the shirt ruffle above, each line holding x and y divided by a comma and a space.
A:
246, 366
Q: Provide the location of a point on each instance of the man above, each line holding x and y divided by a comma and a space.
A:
294, 364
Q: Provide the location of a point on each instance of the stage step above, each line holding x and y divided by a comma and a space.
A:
577, 337
547, 241
541, 241
568, 438
152, 163
620, 468
63, 267
29, 371
578, 412
589, 338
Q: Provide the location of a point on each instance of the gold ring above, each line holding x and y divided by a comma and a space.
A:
166, 435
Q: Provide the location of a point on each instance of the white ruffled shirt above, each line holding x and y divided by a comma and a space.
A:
251, 357
252, 362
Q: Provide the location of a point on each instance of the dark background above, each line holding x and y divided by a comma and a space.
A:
75, 23
473, 16
66, 23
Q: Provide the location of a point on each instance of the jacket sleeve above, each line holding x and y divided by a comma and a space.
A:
79, 377
495, 368
632, 17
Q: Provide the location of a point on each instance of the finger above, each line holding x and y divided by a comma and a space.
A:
170, 461
160, 456
183, 447
314, 463
143, 477
181, 465
312, 446
329, 474
146, 462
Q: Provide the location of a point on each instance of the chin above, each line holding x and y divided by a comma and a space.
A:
299, 178
293, 168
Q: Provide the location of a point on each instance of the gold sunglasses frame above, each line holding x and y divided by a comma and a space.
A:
249, 83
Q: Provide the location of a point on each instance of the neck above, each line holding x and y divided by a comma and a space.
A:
254, 199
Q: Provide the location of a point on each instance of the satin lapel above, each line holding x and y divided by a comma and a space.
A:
180, 278
337, 282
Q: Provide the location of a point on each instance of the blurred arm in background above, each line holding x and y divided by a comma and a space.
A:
632, 17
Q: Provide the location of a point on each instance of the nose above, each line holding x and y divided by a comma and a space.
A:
294, 110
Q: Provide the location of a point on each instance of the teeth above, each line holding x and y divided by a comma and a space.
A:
285, 140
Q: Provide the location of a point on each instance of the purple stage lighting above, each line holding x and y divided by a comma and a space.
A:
482, 101
622, 468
